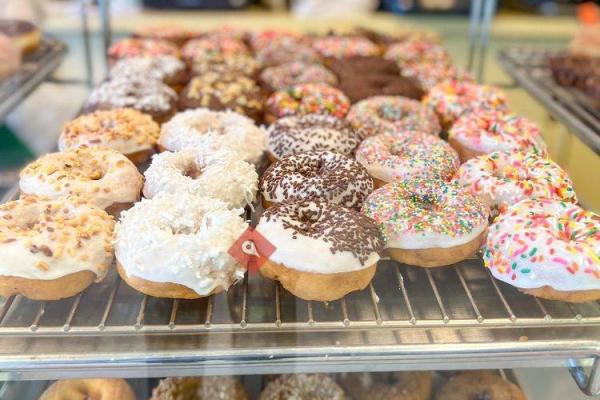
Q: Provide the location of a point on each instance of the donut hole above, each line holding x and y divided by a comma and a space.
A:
192, 171
390, 113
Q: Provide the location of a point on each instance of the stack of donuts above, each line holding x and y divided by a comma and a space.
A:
416, 162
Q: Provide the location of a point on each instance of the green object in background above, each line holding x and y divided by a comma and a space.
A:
13, 153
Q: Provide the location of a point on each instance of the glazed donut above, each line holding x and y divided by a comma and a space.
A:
199, 49
479, 385
316, 175
484, 132
315, 258
286, 51
148, 96
417, 51
345, 47
295, 73
427, 75
270, 37
167, 69
106, 177
10, 57
204, 129
311, 132
392, 114
547, 248
135, 47
125, 130
175, 246
53, 249
451, 99
303, 387
428, 222
23, 34
239, 64
219, 175
171, 33
390, 158
200, 388
224, 92
504, 178
414, 385
83, 389
309, 98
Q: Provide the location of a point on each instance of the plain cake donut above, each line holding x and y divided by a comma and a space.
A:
84, 389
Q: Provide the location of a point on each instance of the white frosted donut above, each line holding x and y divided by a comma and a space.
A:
202, 128
102, 175
168, 69
180, 238
218, 175
504, 178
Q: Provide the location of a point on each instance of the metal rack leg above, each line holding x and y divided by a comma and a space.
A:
590, 385
89, 71
104, 6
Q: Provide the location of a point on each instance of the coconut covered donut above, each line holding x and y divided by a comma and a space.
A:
392, 114
106, 177
428, 222
125, 130
323, 175
167, 69
390, 158
175, 245
200, 388
413, 385
282, 76
53, 249
312, 132
547, 248
136, 47
504, 178
451, 99
345, 46
303, 387
83, 389
315, 257
220, 175
202, 129
484, 132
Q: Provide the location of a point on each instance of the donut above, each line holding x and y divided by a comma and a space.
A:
295, 73
125, 130
167, 69
504, 178
96, 389
484, 132
201, 48
224, 92
238, 64
317, 175
390, 158
200, 388
428, 75
286, 51
345, 46
479, 385
10, 57
308, 98
271, 37
171, 33
451, 99
219, 175
228, 31
136, 47
23, 34
315, 257
53, 249
392, 114
148, 96
303, 387
428, 222
105, 176
547, 248
175, 245
205, 129
414, 385
311, 132
417, 51
586, 42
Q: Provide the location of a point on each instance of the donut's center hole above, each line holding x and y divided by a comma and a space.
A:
192, 171
390, 113
208, 124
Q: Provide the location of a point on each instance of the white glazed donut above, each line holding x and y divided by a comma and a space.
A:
202, 128
180, 238
219, 175
105, 176
501, 179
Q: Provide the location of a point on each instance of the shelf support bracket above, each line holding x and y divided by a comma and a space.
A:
590, 385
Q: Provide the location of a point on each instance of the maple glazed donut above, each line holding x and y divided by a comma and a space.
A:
390, 158
504, 178
322, 175
392, 114
428, 222
136, 47
53, 249
302, 387
106, 177
312, 132
96, 389
322, 251
547, 248
128, 131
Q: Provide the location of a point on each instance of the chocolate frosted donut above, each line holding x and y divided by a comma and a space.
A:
321, 175
312, 132
295, 73
224, 92
25, 35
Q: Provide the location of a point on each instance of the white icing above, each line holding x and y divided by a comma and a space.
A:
141, 94
428, 240
159, 67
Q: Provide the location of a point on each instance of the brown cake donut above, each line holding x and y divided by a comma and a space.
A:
200, 388
414, 385
25, 35
303, 387
224, 92
479, 385
96, 389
